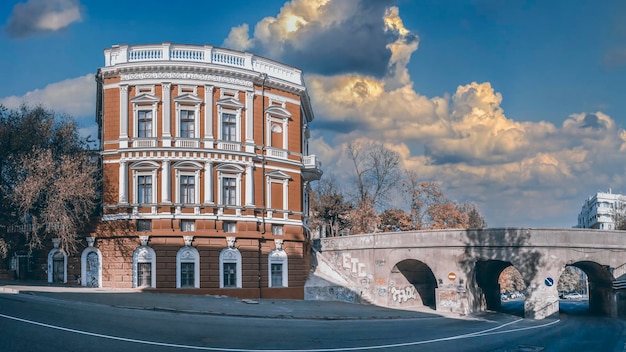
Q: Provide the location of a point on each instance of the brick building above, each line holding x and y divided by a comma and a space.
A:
205, 169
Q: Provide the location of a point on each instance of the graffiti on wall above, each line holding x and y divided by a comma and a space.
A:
356, 268
449, 299
402, 295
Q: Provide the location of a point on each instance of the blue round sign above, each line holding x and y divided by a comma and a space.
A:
549, 281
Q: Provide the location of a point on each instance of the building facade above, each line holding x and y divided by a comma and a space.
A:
599, 210
205, 169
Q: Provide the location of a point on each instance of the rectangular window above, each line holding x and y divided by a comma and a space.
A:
229, 127
187, 274
277, 230
230, 274
144, 274
144, 225
144, 123
187, 225
187, 124
187, 189
277, 275
229, 191
144, 189
230, 226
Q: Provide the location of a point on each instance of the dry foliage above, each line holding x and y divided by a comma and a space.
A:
57, 194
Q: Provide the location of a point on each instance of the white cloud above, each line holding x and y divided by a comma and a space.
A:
74, 96
40, 16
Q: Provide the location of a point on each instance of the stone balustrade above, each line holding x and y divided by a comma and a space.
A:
121, 54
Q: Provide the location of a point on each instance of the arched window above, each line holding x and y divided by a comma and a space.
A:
278, 266
188, 266
57, 265
91, 267
144, 265
230, 266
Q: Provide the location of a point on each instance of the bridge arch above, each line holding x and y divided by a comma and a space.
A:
412, 282
600, 285
487, 278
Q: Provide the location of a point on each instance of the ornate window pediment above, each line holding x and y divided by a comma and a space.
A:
230, 103
145, 99
188, 165
188, 99
277, 111
145, 165
230, 168
279, 175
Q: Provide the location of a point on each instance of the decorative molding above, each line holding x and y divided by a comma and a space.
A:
56, 242
279, 244
144, 240
231, 242
90, 241
184, 75
188, 240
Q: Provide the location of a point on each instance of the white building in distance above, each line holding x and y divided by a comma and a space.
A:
599, 209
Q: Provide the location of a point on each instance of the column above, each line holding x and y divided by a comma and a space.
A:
208, 182
123, 183
166, 182
123, 116
250, 122
208, 116
249, 185
167, 114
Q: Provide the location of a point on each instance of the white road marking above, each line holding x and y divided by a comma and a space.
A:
491, 331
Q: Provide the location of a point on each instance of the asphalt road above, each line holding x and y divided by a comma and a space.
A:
39, 323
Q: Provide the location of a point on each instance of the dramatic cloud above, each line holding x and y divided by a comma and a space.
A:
324, 36
74, 97
520, 173
41, 16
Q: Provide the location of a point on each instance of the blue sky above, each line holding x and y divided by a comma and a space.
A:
516, 105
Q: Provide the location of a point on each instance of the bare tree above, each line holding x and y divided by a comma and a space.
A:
618, 213
377, 172
328, 208
48, 178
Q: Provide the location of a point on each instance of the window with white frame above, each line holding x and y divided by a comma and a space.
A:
229, 127
187, 115
229, 116
144, 123
188, 181
144, 181
278, 272
229, 184
187, 189
187, 124
144, 267
145, 105
276, 120
187, 268
188, 225
229, 190
144, 189
277, 230
230, 266
229, 226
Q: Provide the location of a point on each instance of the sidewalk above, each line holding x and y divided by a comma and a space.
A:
215, 305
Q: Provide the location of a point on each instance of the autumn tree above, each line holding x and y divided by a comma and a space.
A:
48, 178
395, 220
329, 211
431, 209
618, 213
510, 280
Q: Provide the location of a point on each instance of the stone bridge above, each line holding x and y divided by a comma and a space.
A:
458, 270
